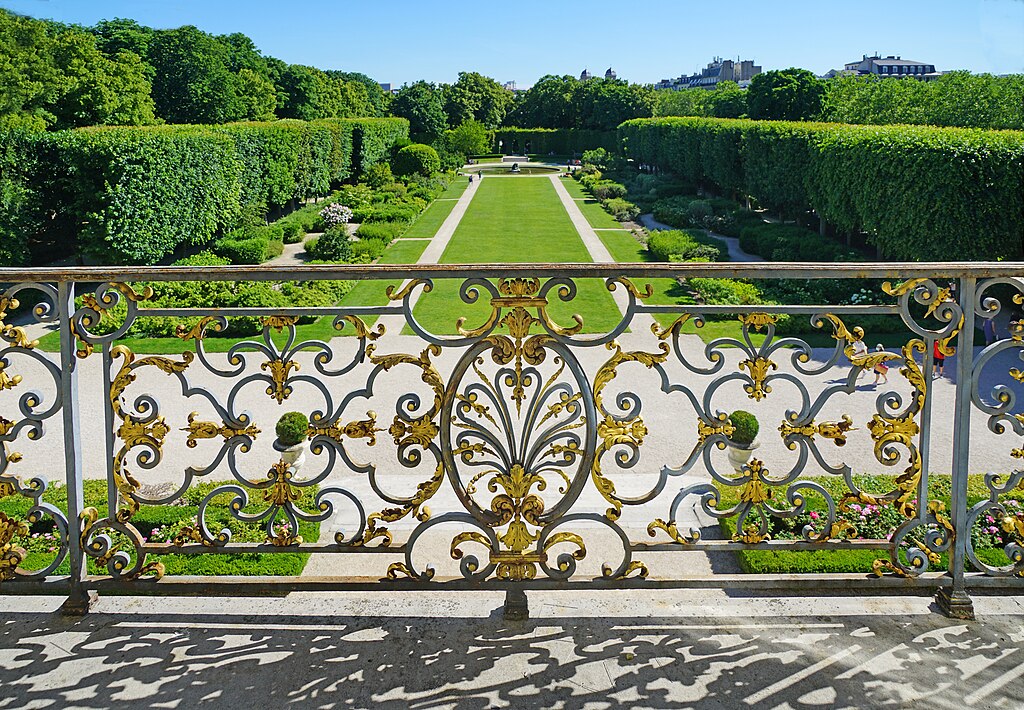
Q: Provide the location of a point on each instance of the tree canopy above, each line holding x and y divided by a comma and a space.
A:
785, 95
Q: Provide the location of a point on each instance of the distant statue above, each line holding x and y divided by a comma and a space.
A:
515, 168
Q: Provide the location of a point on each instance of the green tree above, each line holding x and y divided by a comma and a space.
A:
727, 100
122, 35
685, 102
255, 95
377, 101
785, 95
471, 138
310, 94
27, 76
475, 97
546, 104
603, 104
421, 104
193, 83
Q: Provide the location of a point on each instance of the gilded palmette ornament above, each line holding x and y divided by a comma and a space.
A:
758, 368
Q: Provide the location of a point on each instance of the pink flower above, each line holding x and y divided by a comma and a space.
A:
814, 515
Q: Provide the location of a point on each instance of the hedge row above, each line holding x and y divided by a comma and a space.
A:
134, 195
557, 141
920, 192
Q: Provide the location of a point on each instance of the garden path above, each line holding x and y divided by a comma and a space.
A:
595, 247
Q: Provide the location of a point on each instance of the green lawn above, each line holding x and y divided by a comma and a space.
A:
430, 220
516, 220
596, 215
456, 188
573, 188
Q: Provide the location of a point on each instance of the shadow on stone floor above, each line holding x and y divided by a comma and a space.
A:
190, 660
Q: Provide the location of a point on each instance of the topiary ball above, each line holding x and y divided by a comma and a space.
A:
292, 428
745, 428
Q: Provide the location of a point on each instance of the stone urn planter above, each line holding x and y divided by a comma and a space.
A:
291, 438
743, 440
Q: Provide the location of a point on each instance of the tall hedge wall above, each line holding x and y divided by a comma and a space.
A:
560, 141
374, 138
921, 193
134, 195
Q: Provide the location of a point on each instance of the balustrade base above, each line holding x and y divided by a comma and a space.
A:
79, 603
955, 604
516, 606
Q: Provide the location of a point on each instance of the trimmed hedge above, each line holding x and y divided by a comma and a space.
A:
679, 245
559, 141
135, 195
920, 192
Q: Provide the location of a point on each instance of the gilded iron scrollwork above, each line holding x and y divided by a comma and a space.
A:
33, 410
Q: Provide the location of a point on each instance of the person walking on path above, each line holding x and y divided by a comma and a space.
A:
881, 369
860, 351
940, 359
989, 327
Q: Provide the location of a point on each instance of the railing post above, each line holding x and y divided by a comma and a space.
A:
516, 606
79, 599
954, 601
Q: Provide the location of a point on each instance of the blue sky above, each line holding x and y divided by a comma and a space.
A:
644, 40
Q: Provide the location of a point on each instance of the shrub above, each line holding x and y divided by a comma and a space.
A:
293, 233
698, 211
386, 213
292, 428
608, 189
417, 159
203, 258
379, 175
746, 428
335, 214
333, 245
241, 250
371, 248
622, 210
386, 232
726, 292
677, 245
597, 157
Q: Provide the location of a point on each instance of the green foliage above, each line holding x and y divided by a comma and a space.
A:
386, 232
423, 106
953, 99
475, 98
726, 292
417, 159
746, 428
292, 232
136, 195
368, 250
291, 428
622, 210
192, 83
545, 141
785, 95
470, 138
566, 102
679, 245
375, 139
379, 176
727, 100
333, 245
921, 193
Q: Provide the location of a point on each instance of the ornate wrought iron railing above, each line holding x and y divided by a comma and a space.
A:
486, 458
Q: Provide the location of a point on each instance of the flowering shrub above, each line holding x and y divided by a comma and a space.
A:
335, 214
